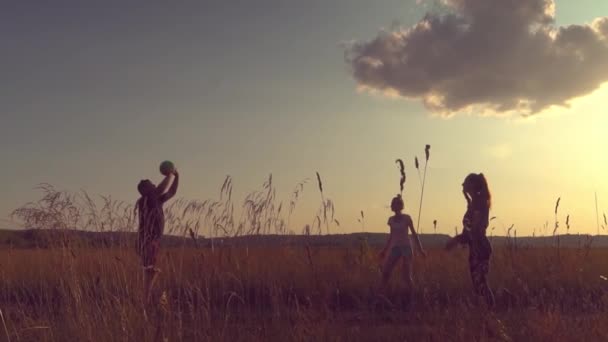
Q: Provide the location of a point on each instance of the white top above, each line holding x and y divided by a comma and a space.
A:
399, 226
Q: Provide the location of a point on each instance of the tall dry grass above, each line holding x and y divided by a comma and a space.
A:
70, 291
287, 293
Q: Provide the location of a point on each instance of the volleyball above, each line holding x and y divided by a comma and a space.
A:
167, 168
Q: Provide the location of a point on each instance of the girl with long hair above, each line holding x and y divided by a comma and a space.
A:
475, 223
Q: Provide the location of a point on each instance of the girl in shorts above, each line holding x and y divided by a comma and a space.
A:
398, 244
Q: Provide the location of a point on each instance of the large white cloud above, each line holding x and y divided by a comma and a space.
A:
494, 55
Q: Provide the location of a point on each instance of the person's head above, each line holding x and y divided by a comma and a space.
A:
146, 187
397, 204
475, 185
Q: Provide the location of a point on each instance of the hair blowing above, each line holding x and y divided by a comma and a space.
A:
484, 190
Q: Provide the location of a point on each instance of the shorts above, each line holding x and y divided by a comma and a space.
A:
394, 255
401, 251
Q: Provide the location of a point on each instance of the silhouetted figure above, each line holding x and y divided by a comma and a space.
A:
152, 224
398, 245
475, 222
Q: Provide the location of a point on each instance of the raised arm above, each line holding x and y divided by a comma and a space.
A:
416, 238
163, 186
172, 190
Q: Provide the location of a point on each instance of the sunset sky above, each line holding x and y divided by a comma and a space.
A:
94, 96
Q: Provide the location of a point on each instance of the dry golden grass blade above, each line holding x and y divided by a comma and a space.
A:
8, 337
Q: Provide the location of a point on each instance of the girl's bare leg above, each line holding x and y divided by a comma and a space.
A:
387, 270
150, 276
150, 271
409, 273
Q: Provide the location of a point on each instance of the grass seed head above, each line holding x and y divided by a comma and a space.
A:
320, 182
402, 172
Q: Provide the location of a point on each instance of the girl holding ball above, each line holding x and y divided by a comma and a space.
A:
152, 220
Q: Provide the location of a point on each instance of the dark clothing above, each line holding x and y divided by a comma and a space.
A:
152, 224
149, 252
151, 227
479, 269
151, 216
475, 222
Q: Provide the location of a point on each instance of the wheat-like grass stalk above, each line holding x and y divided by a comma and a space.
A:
597, 215
326, 212
427, 152
417, 165
556, 222
402, 173
555, 233
295, 196
362, 221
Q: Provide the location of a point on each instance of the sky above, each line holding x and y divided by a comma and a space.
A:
94, 96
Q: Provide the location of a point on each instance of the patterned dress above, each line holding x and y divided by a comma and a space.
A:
475, 222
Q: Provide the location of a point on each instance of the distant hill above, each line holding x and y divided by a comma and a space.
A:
48, 238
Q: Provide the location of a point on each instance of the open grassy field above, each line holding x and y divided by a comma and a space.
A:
60, 285
298, 294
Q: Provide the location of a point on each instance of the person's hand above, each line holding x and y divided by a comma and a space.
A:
175, 173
